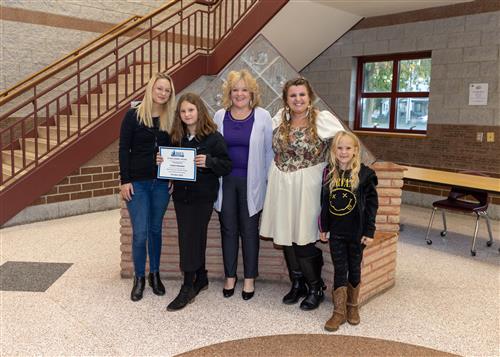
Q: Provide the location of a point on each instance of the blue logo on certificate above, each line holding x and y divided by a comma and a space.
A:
177, 153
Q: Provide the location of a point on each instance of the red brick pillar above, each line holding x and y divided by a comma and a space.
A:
379, 263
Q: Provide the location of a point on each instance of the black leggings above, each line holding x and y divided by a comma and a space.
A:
347, 255
305, 251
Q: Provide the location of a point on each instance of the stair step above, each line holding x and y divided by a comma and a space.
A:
139, 82
102, 99
18, 158
7, 171
84, 109
63, 132
111, 87
42, 144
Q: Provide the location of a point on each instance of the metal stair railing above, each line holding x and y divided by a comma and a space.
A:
60, 103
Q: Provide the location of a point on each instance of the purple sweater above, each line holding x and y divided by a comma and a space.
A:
237, 136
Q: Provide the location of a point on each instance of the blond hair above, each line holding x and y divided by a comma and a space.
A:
354, 165
285, 125
145, 108
234, 77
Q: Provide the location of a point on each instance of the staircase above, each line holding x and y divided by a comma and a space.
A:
61, 117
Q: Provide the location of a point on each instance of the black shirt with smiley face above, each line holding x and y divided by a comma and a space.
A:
346, 213
341, 206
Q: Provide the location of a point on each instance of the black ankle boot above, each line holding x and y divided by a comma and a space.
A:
185, 296
298, 289
201, 282
156, 284
315, 296
138, 288
311, 268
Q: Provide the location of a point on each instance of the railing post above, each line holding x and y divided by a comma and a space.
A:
35, 125
150, 49
78, 96
181, 14
116, 73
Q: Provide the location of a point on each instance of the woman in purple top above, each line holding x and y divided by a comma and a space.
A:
247, 130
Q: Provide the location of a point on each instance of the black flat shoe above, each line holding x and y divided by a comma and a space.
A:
229, 292
137, 289
247, 296
156, 284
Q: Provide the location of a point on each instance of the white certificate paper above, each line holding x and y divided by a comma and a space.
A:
178, 164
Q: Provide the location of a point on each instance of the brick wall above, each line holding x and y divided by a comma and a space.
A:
379, 264
96, 178
85, 182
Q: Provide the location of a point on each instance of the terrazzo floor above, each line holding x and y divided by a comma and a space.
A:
443, 299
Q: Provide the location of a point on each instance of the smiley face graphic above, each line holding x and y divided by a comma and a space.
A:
342, 201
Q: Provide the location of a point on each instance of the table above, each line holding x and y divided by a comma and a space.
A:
489, 184
460, 180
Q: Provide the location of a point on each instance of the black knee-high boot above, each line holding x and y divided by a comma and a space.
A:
299, 288
311, 268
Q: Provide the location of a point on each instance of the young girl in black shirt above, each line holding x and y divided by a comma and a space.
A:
349, 204
194, 200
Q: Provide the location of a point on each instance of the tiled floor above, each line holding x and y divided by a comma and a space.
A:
443, 298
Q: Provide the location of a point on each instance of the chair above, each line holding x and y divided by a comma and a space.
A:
455, 202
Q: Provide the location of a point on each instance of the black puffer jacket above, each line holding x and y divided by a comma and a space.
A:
367, 199
138, 147
206, 186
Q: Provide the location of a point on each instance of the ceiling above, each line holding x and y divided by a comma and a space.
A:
370, 8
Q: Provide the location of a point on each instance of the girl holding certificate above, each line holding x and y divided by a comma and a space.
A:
194, 200
144, 129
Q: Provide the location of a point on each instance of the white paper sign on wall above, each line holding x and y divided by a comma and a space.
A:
478, 94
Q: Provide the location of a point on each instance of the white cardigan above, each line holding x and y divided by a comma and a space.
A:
260, 157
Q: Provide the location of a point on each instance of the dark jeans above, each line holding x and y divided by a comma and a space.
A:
235, 222
347, 254
146, 209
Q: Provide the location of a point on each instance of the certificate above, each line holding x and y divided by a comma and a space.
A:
178, 164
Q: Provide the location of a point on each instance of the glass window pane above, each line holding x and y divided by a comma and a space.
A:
377, 76
375, 113
412, 113
414, 75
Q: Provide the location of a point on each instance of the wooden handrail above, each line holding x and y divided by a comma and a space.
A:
14, 93
72, 54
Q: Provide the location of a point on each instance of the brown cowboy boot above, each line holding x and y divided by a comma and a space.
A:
352, 304
339, 309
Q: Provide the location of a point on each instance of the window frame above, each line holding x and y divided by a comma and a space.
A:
393, 95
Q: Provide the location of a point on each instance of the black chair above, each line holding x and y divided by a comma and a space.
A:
456, 202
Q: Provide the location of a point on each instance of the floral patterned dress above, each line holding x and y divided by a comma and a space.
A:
292, 204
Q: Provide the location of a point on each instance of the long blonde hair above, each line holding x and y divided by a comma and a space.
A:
234, 77
354, 164
144, 110
285, 125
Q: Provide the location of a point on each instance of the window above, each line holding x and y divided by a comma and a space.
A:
392, 93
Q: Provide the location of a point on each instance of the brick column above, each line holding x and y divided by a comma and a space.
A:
379, 263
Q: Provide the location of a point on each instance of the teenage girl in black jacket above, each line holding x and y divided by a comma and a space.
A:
194, 201
144, 129
349, 204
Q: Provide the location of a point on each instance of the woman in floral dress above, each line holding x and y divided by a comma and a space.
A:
292, 206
